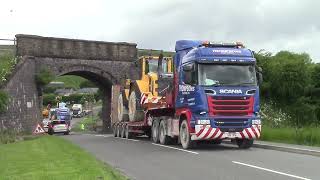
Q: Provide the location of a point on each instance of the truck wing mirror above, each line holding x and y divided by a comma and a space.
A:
189, 67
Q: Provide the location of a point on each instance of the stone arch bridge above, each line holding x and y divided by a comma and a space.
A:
104, 63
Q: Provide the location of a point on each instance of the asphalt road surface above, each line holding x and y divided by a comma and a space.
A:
143, 160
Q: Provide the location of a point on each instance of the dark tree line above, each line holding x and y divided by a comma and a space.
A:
292, 81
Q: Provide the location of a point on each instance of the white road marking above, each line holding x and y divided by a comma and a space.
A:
127, 139
175, 148
101, 135
270, 170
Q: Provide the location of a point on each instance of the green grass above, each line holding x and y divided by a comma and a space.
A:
304, 136
71, 81
51, 157
89, 123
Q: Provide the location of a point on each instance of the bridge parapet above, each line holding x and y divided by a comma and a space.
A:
39, 46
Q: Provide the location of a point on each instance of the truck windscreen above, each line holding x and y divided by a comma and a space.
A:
226, 75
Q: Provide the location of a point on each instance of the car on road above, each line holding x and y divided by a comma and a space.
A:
59, 126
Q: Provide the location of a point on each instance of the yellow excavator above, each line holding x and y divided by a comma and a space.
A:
138, 94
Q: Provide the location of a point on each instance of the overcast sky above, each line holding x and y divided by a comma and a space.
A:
272, 25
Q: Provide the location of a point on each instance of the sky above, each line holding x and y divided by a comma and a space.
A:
271, 25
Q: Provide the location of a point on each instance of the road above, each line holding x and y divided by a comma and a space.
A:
143, 160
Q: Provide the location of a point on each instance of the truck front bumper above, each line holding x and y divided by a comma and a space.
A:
206, 132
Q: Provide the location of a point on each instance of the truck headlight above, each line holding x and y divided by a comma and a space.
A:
203, 121
256, 121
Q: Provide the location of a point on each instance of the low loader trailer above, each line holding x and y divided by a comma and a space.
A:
208, 92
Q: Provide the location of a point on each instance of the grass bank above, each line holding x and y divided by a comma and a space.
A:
51, 157
304, 136
88, 122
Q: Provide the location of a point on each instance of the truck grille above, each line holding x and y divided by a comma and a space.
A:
230, 105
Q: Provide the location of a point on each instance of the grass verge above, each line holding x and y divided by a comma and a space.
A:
304, 136
88, 122
51, 157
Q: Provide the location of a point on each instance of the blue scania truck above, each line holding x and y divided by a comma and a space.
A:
212, 95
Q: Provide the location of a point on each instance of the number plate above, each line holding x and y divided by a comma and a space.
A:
231, 134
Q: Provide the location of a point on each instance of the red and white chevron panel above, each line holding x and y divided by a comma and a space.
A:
206, 132
146, 99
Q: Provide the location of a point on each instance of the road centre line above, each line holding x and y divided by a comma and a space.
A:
270, 170
175, 148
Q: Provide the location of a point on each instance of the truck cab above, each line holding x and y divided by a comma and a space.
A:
218, 86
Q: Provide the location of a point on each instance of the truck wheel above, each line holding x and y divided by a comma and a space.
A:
122, 110
155, 130
163, 138
244, 143
135, 109
115, 129
185, 137
118, 131
123, 133
128, 133
219, 141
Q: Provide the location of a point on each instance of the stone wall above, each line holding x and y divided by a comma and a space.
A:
23, 109
74, 48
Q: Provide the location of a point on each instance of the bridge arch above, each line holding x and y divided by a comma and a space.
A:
104, 63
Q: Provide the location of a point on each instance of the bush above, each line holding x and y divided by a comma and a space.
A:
7, 137
44, 77
4, 99
49, 99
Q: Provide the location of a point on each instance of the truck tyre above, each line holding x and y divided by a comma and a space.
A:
217, 142
115, 130
185, 137
128, 133
135, 109
155, 130
163, 138
122, 110
118, 131
244, 143
123, 133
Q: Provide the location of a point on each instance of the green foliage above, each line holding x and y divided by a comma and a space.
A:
87, 84
49, 89
88, 98
291, 84
88, 122
44, 77
7, 137
71, 81
4, 99
49, 98
7, 64
73, 98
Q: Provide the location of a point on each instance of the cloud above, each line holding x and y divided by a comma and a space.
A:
261, 24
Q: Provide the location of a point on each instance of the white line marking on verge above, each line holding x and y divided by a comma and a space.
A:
176, 148
295, 148
270, 170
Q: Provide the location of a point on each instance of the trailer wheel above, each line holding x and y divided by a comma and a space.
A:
135, 109
128, 133
155, 130
244, 143
118, 131
115, 129
185, 137
122, 110
163, 137
122, 131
